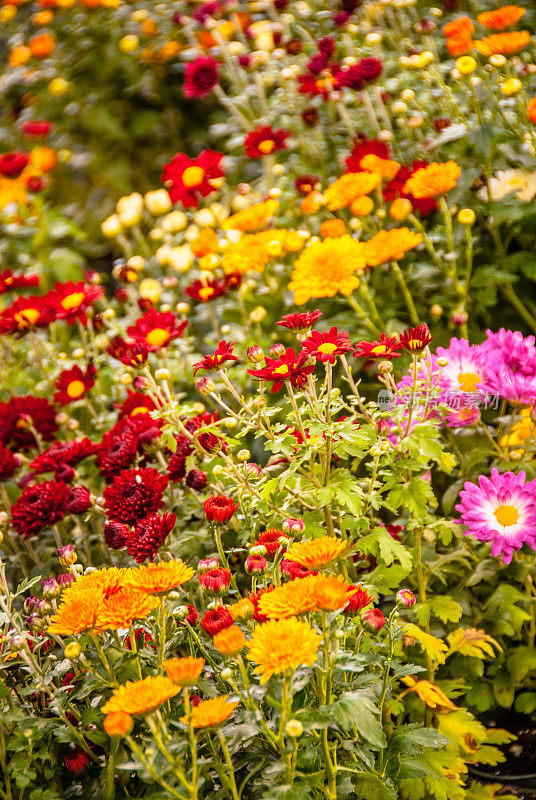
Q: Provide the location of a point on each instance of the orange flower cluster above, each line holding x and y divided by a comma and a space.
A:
313, 593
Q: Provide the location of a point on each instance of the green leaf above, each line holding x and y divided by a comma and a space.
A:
370, 786
521, 662
297, 791
525, 702
503, 689
382, 545
358, 708
414, 496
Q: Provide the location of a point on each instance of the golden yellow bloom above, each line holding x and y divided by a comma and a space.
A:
252, 218
521, 431
501, 18
466, 65
249, 254
230, 641
326, 268
118, 723
312, 202
108, 580
283, 644
184, 671
294, 597
77, 612
350, 186
140, 697
205, 243
120, 609
315, 553
331, 592
242, 610
160, 577
386, 168
429, 693
433, 180
466, 216
503, 44
390, 245
510, 87
210, 713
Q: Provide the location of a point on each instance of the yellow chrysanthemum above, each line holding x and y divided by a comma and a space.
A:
120, 609
390, 245
503, 44
326, 268
294, 597
350, 186
184, 671
210, 713
77, 612
230, 641
284, 644
160, 577
433, 180
521, 431
501, 18
140, 697
252, 218
314, 553
109, 580
242, 610
249, 254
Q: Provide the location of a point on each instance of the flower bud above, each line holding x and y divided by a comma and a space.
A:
257, 550
294, 728
255, 354
442, 361
373, 619
405, 598
72, 651
243, 455
252, 471
67, 555
180, 613
385, 367
255, 565
18, 643
277, 350
195, 479
50, 588
226, 674
206, 564
205, 386
293, 526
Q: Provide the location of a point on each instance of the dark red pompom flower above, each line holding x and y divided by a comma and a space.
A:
216, 620
38, 507
19, 414
134, 494
116, 535
9, 463
149, 535
201, 76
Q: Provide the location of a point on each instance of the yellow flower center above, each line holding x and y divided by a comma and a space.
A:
75, 389
379, 350
327, 348
72, 300
266, 147
414, 344
139, 410
506, 515
206, 292
27, 317
282, 370
468, 381
157, 337
193, 176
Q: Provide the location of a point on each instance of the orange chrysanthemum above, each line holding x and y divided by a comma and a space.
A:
284, 644
332, 592
390, 245
503, 44
501, 18
461, 26
230, 641
120, 609
77, 612
242, 610
210, 713
184, 671
118, 723
531, 110
350, 186
331, 228
140, 697
203, 244
294, 597
252, 218
314, 553
160, 577
433, 180
109, 580
385, 167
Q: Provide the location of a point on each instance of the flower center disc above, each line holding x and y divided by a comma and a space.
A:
468, 381
75, 389
193, 176
157, 337
506, 515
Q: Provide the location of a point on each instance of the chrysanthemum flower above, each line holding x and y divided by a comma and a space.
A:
134, 494
270, 540
141, 697
24, 314
433, 180
118, 723
72, 384
216, 619
130, 353
290, 367
301, 322
391, 245
19, 414
500, 510
188, 178
331, 592
38, 507
521, 431
358, 76
120, 609
315, 553
466, 368
326, 346
264, 140
230, 641
161, 577
282, 645
210, 713
326, 268
200, 77
117, 451
350, 186
429, 693
359, 599
156, 329
215, 581
184, 671
252, 218
510, 361
9, 281
290, 599
9, 463
207, 289
222, 354
69, 453
71, 300
363, 147
110, 580
500, 18
77, 612
504, 44
386, 347
373, 619
219, 508
149, 535
416, 339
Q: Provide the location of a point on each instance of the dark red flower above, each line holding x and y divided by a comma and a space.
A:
12, 164
386, 347
360, 75
310, 117
24, 314
37, 127
149, 535
294, 570
76, 760
130, 353
201, 76
188, 178
359, 600
270, 540
72, 384
79, 500
195, 479
215, 581
71, 300
134, 494
305, 184
117, 451
326, 346
223, 353
136, 403
416, 339
38, 507
265, 140
156, 329
206, 290
9, 463
142, 638
255, 597
320, 82
116, 535
9, 281
216, 620
176, 467
193, 615
219, 508
20, 414
300, 322
290, 367
364, 147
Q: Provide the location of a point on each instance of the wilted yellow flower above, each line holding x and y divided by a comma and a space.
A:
210, 713
326, 268
283, 644
140, 697
315, 553
429, 693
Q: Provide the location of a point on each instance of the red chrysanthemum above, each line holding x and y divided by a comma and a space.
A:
20, 414
290, 367
300, 322
135, 404
216, 620
359, 600
134, 494
294, 570
219, 508
215, 581
9, 281
200, 77
76, 760
117, 451
63, 453
71, 300
156, 329
326, 346
142, 638
359, 75
79, 500
130, 353
305, 184
188, 178
37, 127
416, 339
270, 540
72, 384
223, 353
116, 535
176, 467
24, 314
373, 619
149, 535
364, 147
206, 290
386, 347
12, 164
39, 506
9, 463
265, 140
319, 83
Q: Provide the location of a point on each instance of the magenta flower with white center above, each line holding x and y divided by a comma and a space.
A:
501, 510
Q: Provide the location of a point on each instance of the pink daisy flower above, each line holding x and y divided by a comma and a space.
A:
510, 366
500, 510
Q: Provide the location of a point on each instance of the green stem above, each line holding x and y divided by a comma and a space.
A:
414, 316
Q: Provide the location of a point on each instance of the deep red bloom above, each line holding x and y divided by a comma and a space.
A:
195, 479
193, 615
72, 384
290, 367
373, 619
12, 164
9, 281
300, 322
130, 353
394, 189
134, 494
206, 290
386, 347
9, 463
79, 500
294, 570
359, 600
141, 637
305, 184
71, 300
219, 508
215, 581
200, 77
265, 140
76, 760
149, 535
187, 178
326, 346
310, 117
321, 82
216, 620
38, 507
416, 339
116, 535
24, 314
135, 404
255, 565
364, 147
270, 540
156, 329
176, 467
223, 353
117, 451
255, 597
36, 127
21, 413
360, 75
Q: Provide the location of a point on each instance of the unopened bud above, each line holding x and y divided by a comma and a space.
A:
72, 651
294, 728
